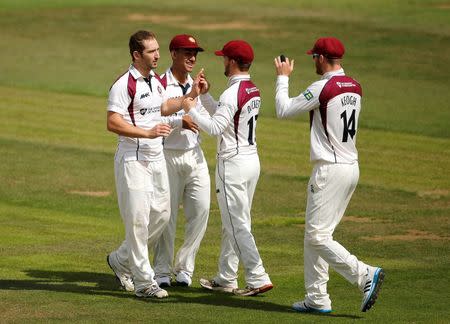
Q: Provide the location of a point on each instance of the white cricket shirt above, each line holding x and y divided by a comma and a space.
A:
233, 118
334, 104
139, 103
180, 138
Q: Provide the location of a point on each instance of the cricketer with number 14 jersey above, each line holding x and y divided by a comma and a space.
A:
334, 104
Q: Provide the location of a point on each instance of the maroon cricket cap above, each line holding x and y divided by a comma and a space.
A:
184, 41
238, 50
329, 47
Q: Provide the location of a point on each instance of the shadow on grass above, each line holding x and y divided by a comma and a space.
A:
93, 283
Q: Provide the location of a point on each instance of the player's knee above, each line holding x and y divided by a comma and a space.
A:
314, 239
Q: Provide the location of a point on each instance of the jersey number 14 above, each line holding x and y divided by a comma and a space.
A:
349, 125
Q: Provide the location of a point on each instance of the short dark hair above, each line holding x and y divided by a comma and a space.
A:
137, 39
243, 67
332, 61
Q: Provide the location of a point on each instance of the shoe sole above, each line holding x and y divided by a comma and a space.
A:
256, 291
221, 289
152, 296
311, 310
378, 278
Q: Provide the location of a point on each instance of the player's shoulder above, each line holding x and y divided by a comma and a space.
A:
343, 83
229, 96
121, 78
122, 83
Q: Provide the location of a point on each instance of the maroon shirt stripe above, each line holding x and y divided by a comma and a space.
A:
131, 93
247, 90
335, 86
162, 80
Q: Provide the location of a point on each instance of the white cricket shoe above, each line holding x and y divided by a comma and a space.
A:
163, 281
124, 279
302, 307
213, 285
183, 279
152, 291
375, 278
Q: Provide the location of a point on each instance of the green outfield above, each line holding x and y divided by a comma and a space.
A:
58, 210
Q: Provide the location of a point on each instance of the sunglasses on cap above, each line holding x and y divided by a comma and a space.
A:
315, 56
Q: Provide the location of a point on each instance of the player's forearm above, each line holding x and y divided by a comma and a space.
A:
209, 103
287, 107
282, 100
212, 125
171, 106
116, 124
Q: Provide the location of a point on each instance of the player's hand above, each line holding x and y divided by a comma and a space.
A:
283, 68
187, 104
204, 85
202, 82
196, 86
188, 123
162, 129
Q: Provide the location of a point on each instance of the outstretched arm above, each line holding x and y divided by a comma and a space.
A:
213, 125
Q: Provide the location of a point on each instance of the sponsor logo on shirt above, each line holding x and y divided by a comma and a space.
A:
151, 110
250, 90
308, 95
145, 95
345, 84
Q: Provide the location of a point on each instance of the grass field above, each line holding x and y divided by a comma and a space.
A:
58, 211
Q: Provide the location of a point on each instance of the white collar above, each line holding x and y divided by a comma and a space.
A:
171, 80
237, 77
331, 74
136, 74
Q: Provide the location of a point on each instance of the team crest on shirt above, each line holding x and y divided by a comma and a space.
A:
308, 95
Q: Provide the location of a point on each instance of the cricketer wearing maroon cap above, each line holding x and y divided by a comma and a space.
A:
329, 47
189, 180
334, 104
184, 41
238, 50
234, 121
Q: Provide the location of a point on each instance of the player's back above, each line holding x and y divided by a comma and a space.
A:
240, 135
340, 105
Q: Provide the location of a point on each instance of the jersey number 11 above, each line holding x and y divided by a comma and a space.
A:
251, 126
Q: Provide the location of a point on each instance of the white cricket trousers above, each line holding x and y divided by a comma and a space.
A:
236, 180
189, 184
329, 191
144, 203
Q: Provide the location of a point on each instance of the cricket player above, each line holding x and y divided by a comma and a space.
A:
135, 105
233, 120
188, 173
334, 104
